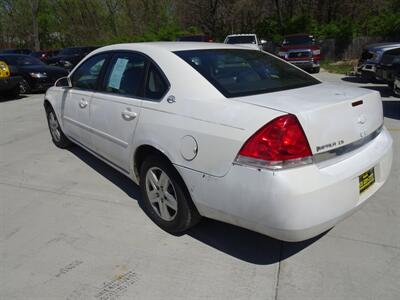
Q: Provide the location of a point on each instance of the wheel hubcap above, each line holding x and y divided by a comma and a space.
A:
23, 86
54, 128
161, 194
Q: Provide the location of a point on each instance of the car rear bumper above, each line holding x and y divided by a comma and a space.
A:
294, 204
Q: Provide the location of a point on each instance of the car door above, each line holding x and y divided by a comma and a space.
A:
115, 110
75, 107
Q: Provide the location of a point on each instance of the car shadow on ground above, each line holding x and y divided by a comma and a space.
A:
384, 90
235, 241
123, 182
6, 98
354, 79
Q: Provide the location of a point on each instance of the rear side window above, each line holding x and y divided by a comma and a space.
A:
236, 72
156, 86
126, 74
87, 74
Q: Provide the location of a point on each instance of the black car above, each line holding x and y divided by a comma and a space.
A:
16, 51
36, 75
68, 58
370, 57
388, 66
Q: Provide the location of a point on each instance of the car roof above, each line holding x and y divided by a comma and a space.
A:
382, 45
169, 46
14, 54
241, 34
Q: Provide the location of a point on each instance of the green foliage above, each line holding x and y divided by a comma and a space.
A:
65, 23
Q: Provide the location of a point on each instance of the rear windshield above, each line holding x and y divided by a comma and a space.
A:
298, 40
241, 39
236, 72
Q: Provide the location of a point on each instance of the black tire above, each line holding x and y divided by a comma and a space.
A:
24, 86
316, 70
186, 214
60, 140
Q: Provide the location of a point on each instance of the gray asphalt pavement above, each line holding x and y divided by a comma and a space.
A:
71, 228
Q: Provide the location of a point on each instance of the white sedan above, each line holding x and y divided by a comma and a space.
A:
225, 132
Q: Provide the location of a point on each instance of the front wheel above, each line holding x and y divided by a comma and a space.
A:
165, 197
396, 87
24, 87
57, 135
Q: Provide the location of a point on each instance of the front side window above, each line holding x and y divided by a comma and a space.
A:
156, 86
87, 75
236, 72
126, 74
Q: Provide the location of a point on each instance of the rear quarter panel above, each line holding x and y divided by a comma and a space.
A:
219, 125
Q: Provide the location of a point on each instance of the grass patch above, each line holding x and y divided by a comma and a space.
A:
339, 67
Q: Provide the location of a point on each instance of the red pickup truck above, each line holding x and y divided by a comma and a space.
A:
301, 50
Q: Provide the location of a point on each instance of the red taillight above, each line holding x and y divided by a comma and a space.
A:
280, 140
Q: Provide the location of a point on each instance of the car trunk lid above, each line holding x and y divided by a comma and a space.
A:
331, 116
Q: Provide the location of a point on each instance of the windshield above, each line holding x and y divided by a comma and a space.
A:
237, 72
298, 40
21, 60
241, 39
70, 51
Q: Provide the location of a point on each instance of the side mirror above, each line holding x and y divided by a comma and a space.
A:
262, 42
63, 82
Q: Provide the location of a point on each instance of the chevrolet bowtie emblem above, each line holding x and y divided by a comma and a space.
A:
362, 119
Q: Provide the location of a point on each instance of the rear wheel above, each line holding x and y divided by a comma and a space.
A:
57, 135
166, 199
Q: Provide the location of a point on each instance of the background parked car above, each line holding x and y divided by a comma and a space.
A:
45, 55
301, 50
386, 69
195, 38
9, 84
16, 51
250, 40
68, 58
36, 75
370, 57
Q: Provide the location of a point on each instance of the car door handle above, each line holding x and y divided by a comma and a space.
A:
83, 103
127, 114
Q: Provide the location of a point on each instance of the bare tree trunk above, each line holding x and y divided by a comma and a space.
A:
35, 25
279, 12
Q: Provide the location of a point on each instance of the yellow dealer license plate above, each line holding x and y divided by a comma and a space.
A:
366, 180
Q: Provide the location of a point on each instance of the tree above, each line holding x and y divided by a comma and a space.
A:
34, 4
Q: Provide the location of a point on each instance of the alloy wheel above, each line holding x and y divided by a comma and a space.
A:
54, 127
161, 194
